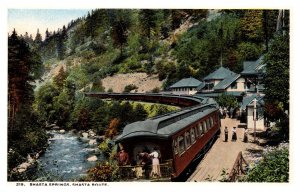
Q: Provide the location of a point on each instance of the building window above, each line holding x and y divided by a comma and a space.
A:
175, 146
193, 139
181, 144
187, 139
233, 85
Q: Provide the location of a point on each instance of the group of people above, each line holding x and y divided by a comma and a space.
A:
144, 160
228, 112
234, 135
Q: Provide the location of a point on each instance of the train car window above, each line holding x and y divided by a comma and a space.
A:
208, 124
175, 146
196, 132
204, 126
187, 139
193, 135
181, 144
200, 129
211, 121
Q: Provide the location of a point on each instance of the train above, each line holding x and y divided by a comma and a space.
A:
179, 136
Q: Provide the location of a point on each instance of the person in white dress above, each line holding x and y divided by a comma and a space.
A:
155, 163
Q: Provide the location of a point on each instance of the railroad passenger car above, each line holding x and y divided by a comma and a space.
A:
179, 136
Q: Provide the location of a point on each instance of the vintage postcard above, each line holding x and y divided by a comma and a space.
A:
99, 96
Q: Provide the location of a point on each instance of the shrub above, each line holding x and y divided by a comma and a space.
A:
274, 167
104, 171
129, 88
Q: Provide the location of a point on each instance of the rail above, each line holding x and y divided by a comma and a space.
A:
137, 172
238, 169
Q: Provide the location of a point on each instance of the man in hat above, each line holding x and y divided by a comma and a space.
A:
226, 134
123, 157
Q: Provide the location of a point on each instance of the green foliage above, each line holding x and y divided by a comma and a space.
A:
28, 138
97, 86
274, 167
129, 88
139, 112
249, 51
79, 76
43, 103
155, 90
25, 132
105, 171
204, 45
276, 79
147, 19
110, 90
104, 147
120, 24
252, 26
225, 100
62, 105
60, 78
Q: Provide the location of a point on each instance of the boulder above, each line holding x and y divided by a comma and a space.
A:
62, 131
21, 170
92, 158
91, 133
85, 135
24, 165
56, 127
92, 142
30, 159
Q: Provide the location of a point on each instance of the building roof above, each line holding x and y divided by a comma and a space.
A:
220, 73
253, 67
248, 100
227, 82
201, 86
214, 94
166, 125
186, 82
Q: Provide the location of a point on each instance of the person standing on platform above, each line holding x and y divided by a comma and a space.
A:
226, 134
245, 135
234, 137
155, 163
123, 157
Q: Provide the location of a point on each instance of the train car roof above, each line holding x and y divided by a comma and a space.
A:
166, 125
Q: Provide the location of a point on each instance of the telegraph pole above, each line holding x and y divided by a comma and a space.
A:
254, 118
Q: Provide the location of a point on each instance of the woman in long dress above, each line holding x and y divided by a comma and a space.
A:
155, 163
234, 137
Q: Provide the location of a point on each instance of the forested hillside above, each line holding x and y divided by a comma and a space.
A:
164, 44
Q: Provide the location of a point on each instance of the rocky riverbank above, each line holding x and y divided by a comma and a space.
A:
89, 147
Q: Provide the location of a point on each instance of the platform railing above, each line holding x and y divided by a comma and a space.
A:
136, 172
238, 169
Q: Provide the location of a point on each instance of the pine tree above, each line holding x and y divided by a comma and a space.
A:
47, 34
23, 68
38, 39
252, 26
276, 80
147, 19
60, 78
120, 25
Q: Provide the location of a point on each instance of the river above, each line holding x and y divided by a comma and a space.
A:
66, 158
